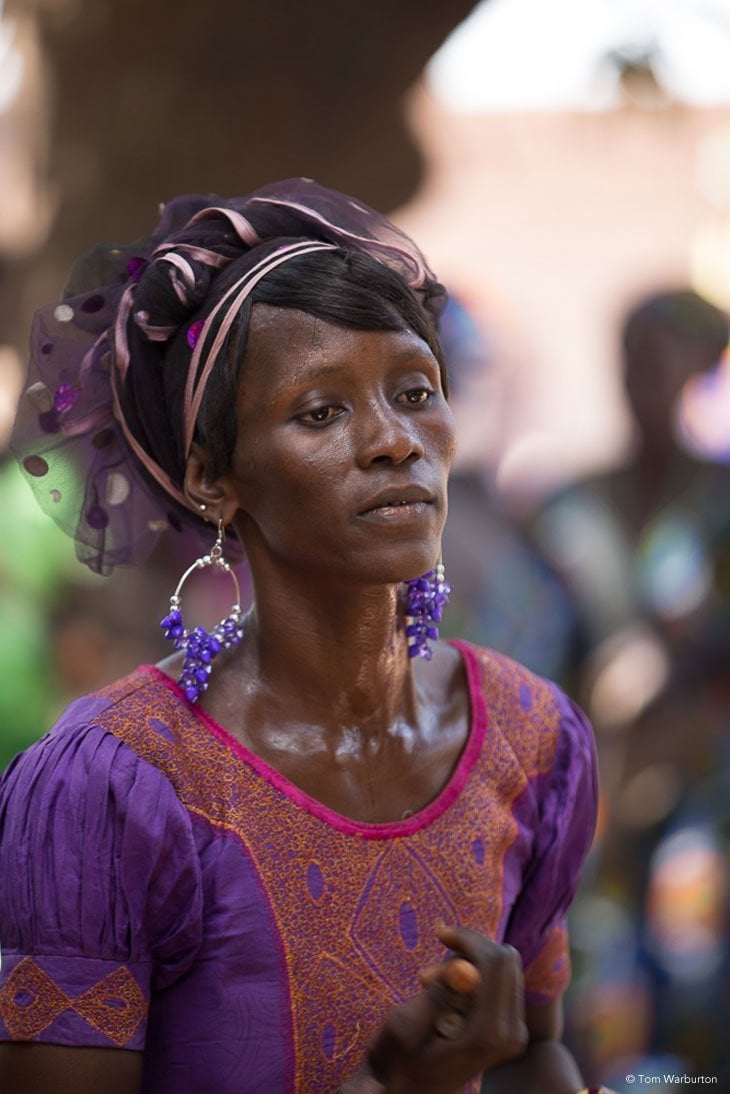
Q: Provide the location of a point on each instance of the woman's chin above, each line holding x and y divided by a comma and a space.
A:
412, 565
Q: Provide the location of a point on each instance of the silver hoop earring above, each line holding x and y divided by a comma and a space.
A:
201, 646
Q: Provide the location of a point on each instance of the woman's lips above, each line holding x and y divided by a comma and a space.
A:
397, 496
397, 512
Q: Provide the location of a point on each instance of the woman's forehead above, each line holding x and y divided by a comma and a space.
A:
287, 343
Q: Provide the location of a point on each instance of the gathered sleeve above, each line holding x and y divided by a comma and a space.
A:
566, 811
100, 891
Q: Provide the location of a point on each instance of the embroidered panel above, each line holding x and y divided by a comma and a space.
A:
357, 915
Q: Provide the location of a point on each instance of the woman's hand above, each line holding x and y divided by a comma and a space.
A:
469, 1018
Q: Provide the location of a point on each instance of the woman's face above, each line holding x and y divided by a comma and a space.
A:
344, 445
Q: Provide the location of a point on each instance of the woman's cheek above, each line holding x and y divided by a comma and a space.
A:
446, 436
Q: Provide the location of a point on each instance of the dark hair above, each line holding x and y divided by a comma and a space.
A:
684, 315
104, 430
344, 287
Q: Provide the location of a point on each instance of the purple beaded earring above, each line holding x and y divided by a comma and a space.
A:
200, 645
426, 598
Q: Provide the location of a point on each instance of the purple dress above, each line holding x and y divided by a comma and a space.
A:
164, 890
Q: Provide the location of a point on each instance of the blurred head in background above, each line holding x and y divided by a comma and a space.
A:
667, 339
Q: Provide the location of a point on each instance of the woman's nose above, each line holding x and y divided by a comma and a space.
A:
387, 436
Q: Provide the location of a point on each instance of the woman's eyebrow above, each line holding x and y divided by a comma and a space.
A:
326, 370
331, 368
401, 356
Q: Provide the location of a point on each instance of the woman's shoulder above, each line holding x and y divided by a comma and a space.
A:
506, 682
83, 739
105, 860
530, 714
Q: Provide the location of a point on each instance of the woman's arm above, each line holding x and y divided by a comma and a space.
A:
439, 1039
29, 1068
546, 1067
103, 876
456, 1028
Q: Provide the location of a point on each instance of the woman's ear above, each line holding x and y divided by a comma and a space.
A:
217, 495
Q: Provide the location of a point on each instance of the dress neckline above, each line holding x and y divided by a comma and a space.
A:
478, 720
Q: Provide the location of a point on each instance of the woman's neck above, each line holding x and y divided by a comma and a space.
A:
337, 658
323, 690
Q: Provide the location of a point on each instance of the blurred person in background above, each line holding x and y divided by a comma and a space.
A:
645, 551
227, 871
643, 548
508, 596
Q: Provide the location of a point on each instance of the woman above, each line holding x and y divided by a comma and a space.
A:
295, 854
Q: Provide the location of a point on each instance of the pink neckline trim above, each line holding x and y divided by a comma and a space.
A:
362, 829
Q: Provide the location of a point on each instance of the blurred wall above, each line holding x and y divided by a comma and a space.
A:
550, 224
146, 100
107, 108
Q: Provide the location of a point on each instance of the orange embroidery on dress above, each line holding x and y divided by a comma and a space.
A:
354, 1008
330, 892
115, 1006
549, 972
401, 900
31, 1001
524, 709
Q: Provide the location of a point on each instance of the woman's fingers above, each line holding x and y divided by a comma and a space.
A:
406, 1029
451, 986
467, 943
457, 973
462, 976
469, 1018
496, 1014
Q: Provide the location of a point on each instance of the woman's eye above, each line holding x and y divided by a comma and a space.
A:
319, 415
417, 395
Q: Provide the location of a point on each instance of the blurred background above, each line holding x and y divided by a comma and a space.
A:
565, 166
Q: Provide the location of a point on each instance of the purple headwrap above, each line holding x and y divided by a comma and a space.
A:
97, 436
